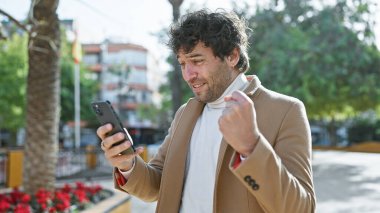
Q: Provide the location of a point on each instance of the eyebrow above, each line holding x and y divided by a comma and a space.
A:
192, 55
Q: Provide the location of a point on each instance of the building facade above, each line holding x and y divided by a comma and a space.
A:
122, 73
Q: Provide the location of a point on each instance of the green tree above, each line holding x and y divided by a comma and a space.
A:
318, 56
14, 69
88, 88
13, 72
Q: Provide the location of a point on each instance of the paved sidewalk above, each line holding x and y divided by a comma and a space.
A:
345, 182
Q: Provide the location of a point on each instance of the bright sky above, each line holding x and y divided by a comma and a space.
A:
125, 20
121, 20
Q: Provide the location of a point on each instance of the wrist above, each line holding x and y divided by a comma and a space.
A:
124, 170
251, 148
127, 168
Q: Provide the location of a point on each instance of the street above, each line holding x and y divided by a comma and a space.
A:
347, 182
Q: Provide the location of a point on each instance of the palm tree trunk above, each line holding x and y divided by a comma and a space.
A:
43, 89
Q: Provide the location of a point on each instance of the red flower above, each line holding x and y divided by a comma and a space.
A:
94, 190
25, 198
52, 210
44, 201
43, 197
22, 208
4, 204
80, 185
43, 206
16, 195
62, 201
66, 188
81, 195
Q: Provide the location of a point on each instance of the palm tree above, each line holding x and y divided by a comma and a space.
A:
43, 89
176, 79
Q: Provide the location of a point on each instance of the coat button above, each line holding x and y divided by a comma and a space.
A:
255, 186
252, 182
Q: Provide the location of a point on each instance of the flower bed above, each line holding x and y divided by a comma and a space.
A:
66, 199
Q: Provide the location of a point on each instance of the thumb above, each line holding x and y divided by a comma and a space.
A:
228, 98
139, 150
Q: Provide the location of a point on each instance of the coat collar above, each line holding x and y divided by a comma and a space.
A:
254, 84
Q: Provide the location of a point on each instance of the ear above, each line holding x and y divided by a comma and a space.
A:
233, 58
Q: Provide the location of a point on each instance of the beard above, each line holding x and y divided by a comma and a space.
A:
217, 82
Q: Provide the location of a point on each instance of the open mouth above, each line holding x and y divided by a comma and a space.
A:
196, 86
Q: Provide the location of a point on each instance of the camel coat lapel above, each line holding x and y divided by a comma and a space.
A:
174, 171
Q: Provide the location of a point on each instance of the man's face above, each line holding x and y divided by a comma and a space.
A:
207, 75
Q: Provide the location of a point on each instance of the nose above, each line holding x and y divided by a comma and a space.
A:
189, 73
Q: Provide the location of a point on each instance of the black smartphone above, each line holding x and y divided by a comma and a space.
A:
106, 114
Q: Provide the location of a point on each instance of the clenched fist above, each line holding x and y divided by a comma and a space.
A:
238, 123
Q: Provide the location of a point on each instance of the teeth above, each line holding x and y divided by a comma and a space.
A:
197, 85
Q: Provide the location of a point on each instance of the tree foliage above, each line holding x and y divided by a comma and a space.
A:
14, 69
13, 72
323, 55
88, 88
320, 56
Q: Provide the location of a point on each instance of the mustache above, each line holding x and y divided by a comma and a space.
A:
196, 80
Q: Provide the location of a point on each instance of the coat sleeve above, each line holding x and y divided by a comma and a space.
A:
144, 181
280, 177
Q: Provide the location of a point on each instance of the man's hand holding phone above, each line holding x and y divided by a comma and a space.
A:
112, 152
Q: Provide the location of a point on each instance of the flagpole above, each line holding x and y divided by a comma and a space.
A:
77, 104
77, 56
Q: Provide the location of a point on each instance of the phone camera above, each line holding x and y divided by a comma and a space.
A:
97, 110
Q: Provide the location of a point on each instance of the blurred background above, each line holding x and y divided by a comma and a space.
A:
56, 57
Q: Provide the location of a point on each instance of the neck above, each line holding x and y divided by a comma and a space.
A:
239, 83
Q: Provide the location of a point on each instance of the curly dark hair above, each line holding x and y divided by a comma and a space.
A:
221, 31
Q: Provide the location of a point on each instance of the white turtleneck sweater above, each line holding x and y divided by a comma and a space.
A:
202, 158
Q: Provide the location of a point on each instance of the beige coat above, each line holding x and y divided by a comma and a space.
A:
276, 177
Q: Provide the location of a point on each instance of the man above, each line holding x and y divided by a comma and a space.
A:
235, 147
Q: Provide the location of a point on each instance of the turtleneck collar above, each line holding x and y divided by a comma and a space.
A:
240, 83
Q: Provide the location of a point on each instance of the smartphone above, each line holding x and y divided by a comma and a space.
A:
106, 114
